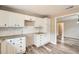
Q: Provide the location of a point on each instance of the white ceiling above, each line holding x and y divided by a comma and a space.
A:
49, 10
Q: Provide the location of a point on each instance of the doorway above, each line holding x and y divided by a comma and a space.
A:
60, 32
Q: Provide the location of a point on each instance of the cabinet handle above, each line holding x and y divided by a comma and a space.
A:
15, 24
20, 46
5, 24
13, 43
20, 39
20, 42
40, 43
10, 40
18, 25
40, 38
20, 50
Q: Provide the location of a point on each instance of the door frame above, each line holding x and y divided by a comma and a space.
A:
62, 40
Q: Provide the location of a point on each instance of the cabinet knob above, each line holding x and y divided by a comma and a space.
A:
5, 24
15, 24
13, 43
20, 39
40, 43
20, 46
18, 25
20, 50
20, 42
10, 40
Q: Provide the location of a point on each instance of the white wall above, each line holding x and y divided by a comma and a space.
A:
53, 30
71, 28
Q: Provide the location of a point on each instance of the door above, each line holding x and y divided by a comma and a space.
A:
60, 32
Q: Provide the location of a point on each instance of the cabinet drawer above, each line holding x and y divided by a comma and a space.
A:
41, 39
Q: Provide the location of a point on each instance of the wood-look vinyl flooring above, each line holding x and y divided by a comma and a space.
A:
70, 46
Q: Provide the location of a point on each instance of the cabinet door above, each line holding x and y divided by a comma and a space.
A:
44, 39
33, 18
27, 17
10, 19
10, 49
20, 19
36, 40
4, 18
41, 39
18, 43
17, 20
7, 48
3, 48
11, 22
37, 22
44, 25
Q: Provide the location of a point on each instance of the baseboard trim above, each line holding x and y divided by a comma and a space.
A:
71, 38
53, 43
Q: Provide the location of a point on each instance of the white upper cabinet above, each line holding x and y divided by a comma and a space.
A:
18, 19
4, 17
27, 17
10, 19
30, 18
37, 22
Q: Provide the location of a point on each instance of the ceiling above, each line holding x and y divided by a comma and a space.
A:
47, 10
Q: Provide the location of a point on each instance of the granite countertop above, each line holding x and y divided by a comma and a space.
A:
18, 35
12, 36
39, 33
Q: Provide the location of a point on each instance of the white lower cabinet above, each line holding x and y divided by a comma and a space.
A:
6, 48
14, 46
40, 39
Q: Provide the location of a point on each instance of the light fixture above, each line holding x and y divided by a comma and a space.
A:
78, 20
70, 7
